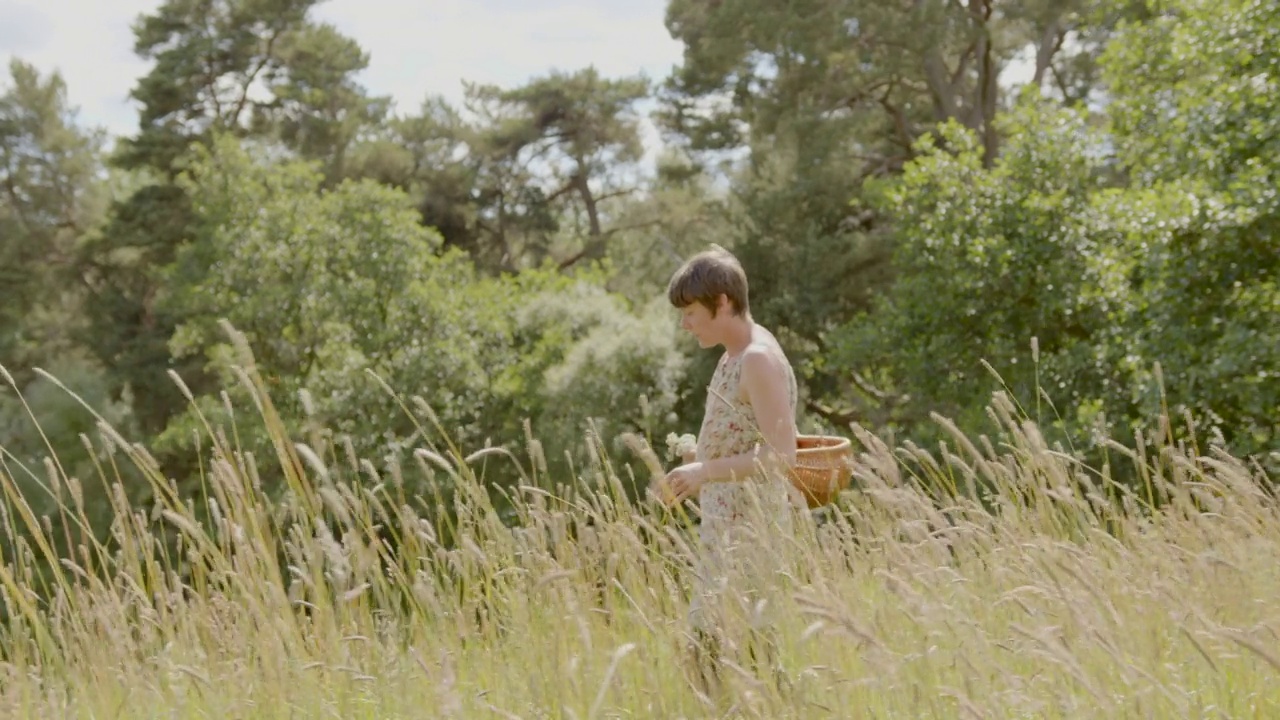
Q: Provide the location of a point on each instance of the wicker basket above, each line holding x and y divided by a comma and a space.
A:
824, 467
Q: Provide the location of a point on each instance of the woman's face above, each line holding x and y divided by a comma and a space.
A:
697, 320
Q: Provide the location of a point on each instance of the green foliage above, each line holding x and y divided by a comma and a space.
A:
281, 258
592, 364
49, 199
330, 285
47, 436
1196, 117
879, 72
816, 98
325, 283
319, 109
250, 68
681, 213
530, 174
210, 57
1152, 244
989, 259
120, 265
423, 154
583, 128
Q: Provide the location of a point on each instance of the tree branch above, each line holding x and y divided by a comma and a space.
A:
572, 259
988, 90
1050, 43
615, 193
634, 226
565, 189
901, 126
839, 418
1060, 81
879, 395
852, 101
253, 74
941, 89
964, 61
581, 254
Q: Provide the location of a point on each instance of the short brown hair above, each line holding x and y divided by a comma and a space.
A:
706, 276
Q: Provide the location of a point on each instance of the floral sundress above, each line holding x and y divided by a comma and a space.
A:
732, 547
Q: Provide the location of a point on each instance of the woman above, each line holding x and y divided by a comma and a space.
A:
738, 472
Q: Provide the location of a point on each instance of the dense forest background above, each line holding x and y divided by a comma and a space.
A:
1098, 240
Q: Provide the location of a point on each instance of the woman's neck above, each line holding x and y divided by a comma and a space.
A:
738, 335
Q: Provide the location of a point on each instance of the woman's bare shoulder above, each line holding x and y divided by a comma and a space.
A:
763, 341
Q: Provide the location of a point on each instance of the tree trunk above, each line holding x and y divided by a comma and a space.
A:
594, 249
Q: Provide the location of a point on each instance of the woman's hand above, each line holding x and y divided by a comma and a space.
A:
684, 482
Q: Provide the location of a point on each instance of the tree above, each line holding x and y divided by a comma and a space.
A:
590, 363
249, 68
52, 196
1146, 241
990, 260
816, 98
1196, 117
49, 199
324, 284
885, 71
328, 284
243, 66
583, 129
679, 213
527, 175
426, 155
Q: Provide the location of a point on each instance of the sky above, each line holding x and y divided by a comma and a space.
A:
415, 49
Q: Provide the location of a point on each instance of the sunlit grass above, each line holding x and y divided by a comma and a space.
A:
1059, 595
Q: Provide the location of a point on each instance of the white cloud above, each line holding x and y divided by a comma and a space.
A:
23, 25
91, 43
415, 49
431, 47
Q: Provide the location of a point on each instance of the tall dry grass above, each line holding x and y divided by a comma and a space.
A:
1058, 595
